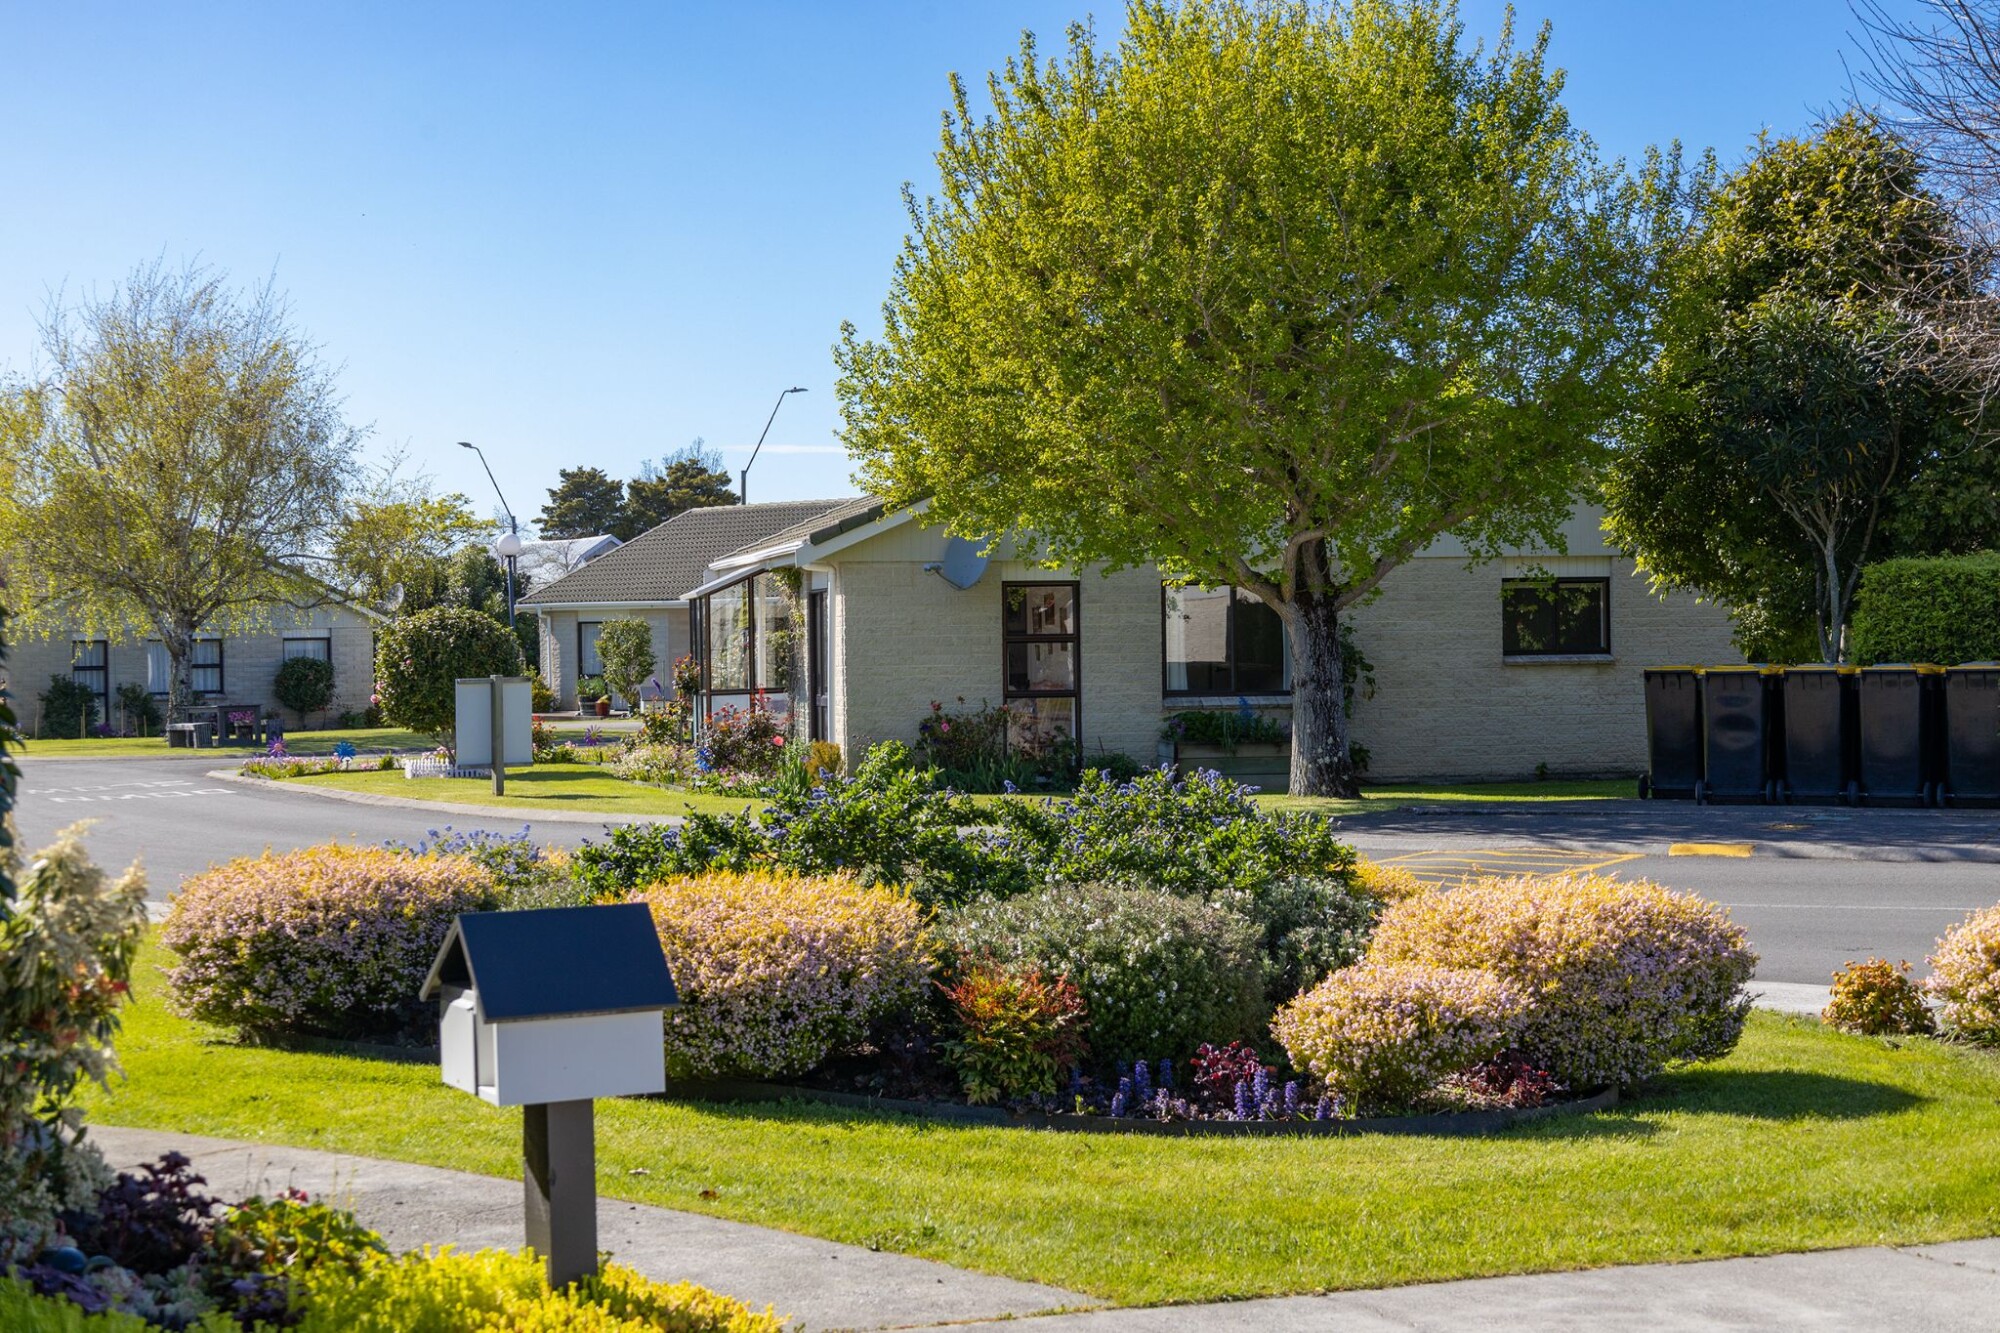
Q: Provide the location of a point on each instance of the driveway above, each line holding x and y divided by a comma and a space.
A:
166, 814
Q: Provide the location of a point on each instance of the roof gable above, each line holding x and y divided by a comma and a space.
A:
555, 962
661, 564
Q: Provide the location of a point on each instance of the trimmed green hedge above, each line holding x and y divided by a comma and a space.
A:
1945, 609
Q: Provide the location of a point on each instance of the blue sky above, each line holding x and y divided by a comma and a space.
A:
592, 233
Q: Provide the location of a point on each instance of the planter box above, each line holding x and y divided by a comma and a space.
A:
1266, 767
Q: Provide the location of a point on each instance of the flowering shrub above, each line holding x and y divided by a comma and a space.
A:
1510, 1080
1387, 884
332, 940
279, 765
663, 765
1379, 1035
496, 1290
1965, 974
887, 823
1877, 999
995, 750
1619, 979
525, 873
823, 760
742, 740
67, 940
1201, 836
777, 971
1159, 973
1018, 1030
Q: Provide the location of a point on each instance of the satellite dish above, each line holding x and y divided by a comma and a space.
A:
963, 562
395, 598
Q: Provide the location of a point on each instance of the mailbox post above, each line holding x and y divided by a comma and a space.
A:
547, 1010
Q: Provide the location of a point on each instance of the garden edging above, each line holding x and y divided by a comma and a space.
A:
531, 813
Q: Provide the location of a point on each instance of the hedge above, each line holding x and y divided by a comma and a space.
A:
1944, 609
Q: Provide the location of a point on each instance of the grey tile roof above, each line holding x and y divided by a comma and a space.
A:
661, 564
845, 515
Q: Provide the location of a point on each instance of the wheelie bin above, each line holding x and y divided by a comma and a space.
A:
1738, 706
1899, 734
1972, 734
1673, 733
1821, 727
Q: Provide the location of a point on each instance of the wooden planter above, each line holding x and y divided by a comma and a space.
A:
1266, 767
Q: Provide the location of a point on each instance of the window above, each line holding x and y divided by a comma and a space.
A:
746, 636
817, 664
90, 667
588, 663
207, 666
320, 650
1039, 653
1223, 641
1555, 617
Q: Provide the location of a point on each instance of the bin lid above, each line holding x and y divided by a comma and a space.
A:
1674, 668
1921, 668
1975, 666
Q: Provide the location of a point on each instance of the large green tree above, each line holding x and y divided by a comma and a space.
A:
691, 479
179, 465
397, 532
1794, 427
1276, 294
585, 502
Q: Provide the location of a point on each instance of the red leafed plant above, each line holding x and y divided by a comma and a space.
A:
1018, 1029
1218, 1069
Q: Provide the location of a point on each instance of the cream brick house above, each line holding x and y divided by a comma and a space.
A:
857, 617
234, 666
647, 578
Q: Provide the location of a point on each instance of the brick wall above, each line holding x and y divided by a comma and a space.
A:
249, 663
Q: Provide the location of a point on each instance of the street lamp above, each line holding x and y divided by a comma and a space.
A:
509, 545
743, 488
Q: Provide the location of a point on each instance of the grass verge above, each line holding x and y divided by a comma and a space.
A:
584, 788
1393, 796
1803, 1139
155, 747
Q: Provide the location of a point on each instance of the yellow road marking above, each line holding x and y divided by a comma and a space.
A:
1459, 865
1710, 849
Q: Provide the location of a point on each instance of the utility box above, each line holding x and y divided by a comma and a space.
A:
555, 1005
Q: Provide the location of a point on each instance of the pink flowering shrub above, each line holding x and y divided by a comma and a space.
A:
777, 971
1620, 978
326, 940
1379, 1035
1965, 974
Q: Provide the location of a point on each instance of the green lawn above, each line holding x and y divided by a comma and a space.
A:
1390, 796
585, 788
1803, 1139
155, 747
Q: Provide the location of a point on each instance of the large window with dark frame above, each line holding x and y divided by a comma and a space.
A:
1221, 641
1555, 617
744, 637
1041, 667
90, 667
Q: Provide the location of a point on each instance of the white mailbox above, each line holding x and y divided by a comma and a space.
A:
560, 1004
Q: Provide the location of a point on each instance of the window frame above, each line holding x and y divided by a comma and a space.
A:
580, 672
1074, 639
1601, 582
102, 671
286, 640
702, 633
1237, 597
219, 666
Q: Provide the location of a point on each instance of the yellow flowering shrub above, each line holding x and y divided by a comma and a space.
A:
1965, 974
776, 971
1876, 998
1380, 1034
495, 1291
1619, 978
1387, 884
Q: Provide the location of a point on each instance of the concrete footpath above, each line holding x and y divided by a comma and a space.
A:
824, 1286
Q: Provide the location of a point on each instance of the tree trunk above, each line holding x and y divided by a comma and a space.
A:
1321, 764
179, 643
1831, 611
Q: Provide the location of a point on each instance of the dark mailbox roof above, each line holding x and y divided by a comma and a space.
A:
661, 564
555, 962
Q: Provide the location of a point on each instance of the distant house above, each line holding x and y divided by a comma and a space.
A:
646, 578
549, 558
855, 618
232, 666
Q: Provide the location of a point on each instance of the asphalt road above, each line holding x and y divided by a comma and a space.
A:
167, 815
1818, 887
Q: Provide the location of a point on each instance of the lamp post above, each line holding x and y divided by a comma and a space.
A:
743, 487
509, 545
